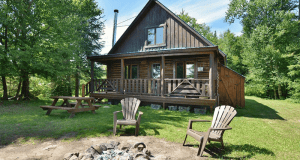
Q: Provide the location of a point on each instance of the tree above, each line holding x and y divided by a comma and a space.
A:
91, 35
233, 46
270, 32
203, 29
44, 37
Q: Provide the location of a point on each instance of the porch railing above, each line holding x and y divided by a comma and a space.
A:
199, 87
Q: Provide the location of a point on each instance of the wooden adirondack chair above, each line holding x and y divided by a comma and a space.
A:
129, 109
222, 117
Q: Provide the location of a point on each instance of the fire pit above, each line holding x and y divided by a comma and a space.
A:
112, 151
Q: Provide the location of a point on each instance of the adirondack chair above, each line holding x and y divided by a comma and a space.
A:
129, 109
222, 117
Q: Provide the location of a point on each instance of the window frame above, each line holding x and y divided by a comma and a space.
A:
164, 36
130, 71
184, 69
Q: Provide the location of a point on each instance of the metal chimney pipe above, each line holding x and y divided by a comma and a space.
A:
115, 27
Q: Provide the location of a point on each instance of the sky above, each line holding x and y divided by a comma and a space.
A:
210, 12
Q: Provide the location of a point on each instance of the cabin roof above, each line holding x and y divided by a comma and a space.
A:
144, 12
155, 53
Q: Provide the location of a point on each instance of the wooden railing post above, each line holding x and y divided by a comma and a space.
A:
211, 65
122, 76
92, 77
162, 76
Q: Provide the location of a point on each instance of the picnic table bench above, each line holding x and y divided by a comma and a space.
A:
72, 107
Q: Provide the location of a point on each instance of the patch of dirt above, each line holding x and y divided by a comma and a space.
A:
56, 149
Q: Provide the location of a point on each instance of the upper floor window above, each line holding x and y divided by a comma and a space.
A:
156, 36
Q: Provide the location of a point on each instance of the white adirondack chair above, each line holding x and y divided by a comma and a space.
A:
222, 117
129, 109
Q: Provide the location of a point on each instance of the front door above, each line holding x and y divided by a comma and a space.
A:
185, 70
155, 74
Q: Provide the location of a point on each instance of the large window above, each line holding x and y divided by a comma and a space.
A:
156, 70
131, 71
156, 36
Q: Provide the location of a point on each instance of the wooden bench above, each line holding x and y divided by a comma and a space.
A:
84, 104
56, 107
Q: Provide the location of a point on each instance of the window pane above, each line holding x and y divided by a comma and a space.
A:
179, 71
156, 70
151, 36
190, 70
159, 35
134, 72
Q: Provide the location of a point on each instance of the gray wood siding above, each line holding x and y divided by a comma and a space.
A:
177, 35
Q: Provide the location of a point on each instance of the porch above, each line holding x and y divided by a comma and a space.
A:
181, 76
175, 91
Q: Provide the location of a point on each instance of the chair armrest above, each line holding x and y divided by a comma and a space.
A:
115, 116
226, 128
139, 117
117, 112
195, 120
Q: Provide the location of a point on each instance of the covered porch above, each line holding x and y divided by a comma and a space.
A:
181, 76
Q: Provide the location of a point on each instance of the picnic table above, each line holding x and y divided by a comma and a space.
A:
72, 107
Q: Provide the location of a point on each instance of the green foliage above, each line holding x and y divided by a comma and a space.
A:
49, 39
40, 87
233, 46
271, 41
203, 29
257, 89
62, 89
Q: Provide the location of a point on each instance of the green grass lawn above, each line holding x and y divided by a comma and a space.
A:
264, 129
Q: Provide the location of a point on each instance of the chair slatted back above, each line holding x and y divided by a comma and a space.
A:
223, 115
129, 107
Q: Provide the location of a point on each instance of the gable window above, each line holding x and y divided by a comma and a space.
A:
156, 36
131, 71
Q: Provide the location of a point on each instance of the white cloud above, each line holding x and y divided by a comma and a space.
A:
204, 11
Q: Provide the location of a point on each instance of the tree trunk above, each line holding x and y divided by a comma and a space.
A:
70, 85
280, 91
25, 87
76, 85
18, 90
274, 89
5, 96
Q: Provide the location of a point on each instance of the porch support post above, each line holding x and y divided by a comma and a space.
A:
211, 66
92, 77
162, 75
122, 76
196, 69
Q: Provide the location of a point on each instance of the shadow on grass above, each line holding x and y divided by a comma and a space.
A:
249, 151
255, 109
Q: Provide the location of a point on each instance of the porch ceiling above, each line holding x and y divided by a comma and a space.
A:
160, 53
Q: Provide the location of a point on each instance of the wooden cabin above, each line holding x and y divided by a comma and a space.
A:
161, 59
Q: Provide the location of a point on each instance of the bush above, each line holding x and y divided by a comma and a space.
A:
252, 89
40, 87
62, 88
